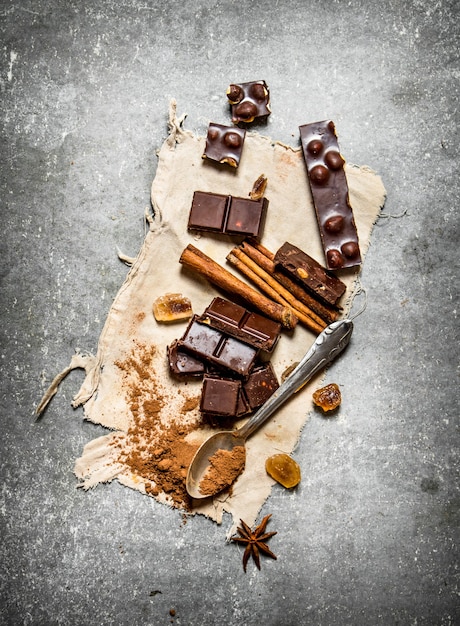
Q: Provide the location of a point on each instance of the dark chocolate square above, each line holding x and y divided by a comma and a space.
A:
236, 355
220, 396
246, 217
252, 328
208, 211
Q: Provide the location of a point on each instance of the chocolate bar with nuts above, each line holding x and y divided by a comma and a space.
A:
249, 101
329, 188
303, 269
224, 144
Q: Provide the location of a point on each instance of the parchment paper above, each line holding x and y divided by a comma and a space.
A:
156, 271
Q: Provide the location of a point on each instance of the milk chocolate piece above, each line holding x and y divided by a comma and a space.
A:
329, 188
229, 215
220, 396
183, 364
249, 101
260, 385
217, 348
224, 144
235, 320
309, 273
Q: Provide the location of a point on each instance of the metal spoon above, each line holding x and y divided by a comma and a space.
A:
329, 344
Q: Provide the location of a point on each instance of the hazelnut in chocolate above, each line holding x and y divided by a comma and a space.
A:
329, 188
224, 144
249, 101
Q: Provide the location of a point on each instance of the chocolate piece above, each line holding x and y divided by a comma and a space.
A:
329, 188
224, 144
217, 348
249, 101
309, 273
220, 396
235, 320
208, 212
229, 215
181, 363
260, 385
230, 397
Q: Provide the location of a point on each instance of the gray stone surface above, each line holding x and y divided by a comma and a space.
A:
371, 534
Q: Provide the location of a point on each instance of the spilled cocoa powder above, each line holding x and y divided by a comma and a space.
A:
224, 468
154, 447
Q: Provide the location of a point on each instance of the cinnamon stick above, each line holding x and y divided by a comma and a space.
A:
196, 260
265, 259
274, 290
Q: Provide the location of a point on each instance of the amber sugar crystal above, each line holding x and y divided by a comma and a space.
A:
283, 469
328, 398
172, 307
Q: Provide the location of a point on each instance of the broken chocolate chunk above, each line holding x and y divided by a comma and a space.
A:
249, 101
235, 320
309, 273
220, 396
218, 349
183, 364
224, 144
261, 384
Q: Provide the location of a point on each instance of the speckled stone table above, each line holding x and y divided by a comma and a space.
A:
371, 534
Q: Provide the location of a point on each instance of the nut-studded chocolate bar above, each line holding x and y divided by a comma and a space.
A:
329, 188
249, 101
228, 215
303, 269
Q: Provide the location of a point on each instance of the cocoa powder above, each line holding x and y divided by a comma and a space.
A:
155, 447
224, 467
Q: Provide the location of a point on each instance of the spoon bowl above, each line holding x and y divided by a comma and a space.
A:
223, 440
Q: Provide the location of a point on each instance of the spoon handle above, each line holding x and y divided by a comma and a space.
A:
329, 344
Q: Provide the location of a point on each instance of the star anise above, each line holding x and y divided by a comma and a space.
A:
254, 541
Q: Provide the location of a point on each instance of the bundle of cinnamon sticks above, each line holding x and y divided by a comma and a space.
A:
278, 296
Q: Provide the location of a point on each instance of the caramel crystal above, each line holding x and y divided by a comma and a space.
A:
172, 307
283, 469
328, 398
